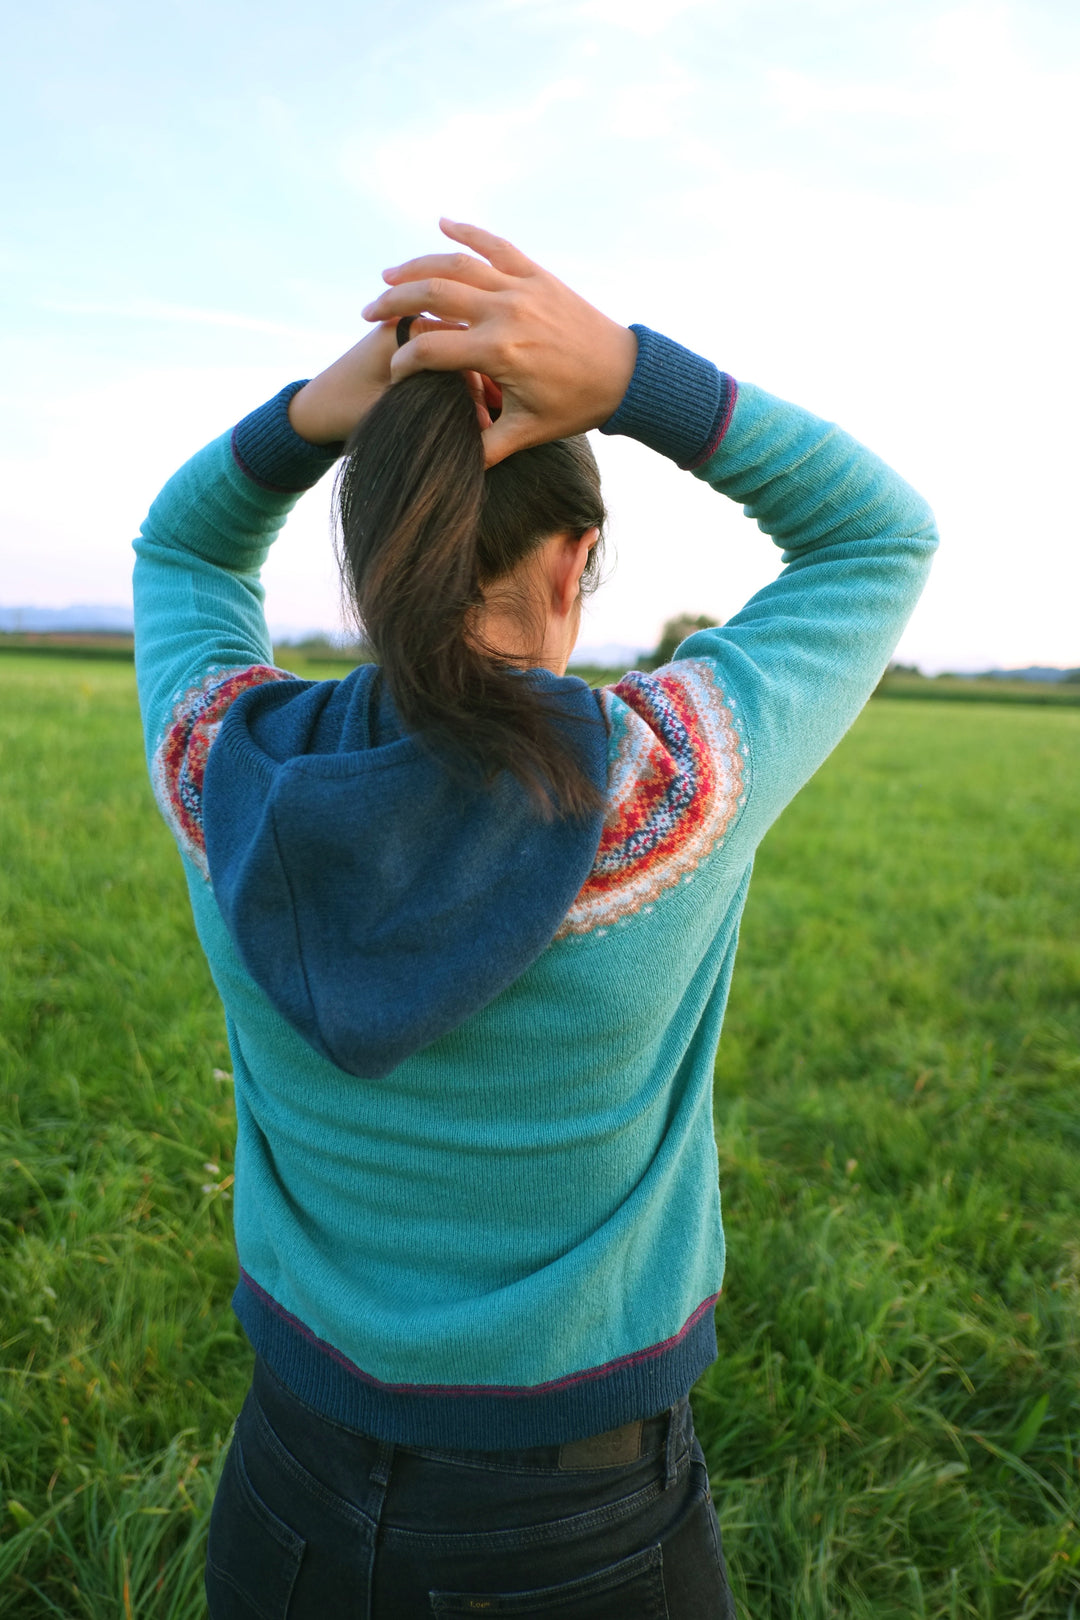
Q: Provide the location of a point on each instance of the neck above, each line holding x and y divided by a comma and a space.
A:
502, 634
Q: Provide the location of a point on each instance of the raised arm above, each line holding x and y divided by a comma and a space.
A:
200, 634
198, 601
798, 662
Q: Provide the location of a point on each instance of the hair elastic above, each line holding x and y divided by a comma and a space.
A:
403, 328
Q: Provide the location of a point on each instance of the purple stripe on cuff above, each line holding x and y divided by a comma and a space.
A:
268, 450
677, 403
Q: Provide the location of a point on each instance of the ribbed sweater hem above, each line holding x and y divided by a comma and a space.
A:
478, 1417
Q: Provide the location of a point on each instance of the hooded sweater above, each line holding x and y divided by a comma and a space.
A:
476, 1180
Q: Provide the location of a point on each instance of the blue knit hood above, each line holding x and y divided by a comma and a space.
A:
374, 896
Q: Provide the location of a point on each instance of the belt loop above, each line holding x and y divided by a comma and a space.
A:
380, 1472
671, 1464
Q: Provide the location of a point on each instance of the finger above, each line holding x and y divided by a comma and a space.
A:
446, 350
475, 384
410, 326
450, 300
503, 255
418, 323
503, 437
429, 323
451, 266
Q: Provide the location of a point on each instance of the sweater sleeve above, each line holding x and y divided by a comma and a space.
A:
200, 634
794, 667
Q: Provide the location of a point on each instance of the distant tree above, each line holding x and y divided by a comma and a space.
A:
320, 648
899, 669
675, 631
1072, 675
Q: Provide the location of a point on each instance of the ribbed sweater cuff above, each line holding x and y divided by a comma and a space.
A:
269, 450
677, 402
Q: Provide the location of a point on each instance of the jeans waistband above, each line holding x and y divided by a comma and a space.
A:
640, 1437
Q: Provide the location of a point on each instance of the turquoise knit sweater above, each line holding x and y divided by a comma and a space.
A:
514, 1236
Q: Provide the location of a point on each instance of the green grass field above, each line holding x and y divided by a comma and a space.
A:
892, 1425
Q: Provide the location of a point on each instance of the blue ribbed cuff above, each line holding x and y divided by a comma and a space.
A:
267, 447
677, 403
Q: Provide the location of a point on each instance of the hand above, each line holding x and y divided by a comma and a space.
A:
561, 366
327, 408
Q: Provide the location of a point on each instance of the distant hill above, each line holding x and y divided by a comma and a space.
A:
612, 655
95, 618
1033, 672
83, 616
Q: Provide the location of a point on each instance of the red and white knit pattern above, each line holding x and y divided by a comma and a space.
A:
676, 786
180, 758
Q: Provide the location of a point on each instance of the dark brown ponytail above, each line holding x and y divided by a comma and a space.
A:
424, 530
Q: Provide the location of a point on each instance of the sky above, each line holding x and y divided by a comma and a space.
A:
867, 207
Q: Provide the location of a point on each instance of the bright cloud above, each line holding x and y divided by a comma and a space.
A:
463, 164
149, 309
645, 18
875, 220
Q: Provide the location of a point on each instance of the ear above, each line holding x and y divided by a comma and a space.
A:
572, 561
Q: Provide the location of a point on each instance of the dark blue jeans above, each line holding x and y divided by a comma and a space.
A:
314, 1521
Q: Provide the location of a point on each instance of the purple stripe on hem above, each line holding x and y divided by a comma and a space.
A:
509, 1391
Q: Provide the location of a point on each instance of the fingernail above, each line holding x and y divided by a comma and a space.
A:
366, 311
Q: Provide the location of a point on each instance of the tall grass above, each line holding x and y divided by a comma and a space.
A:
121, 1364
893, 1419
891, 1425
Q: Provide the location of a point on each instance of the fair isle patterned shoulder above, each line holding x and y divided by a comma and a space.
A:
180, 757
676, 785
